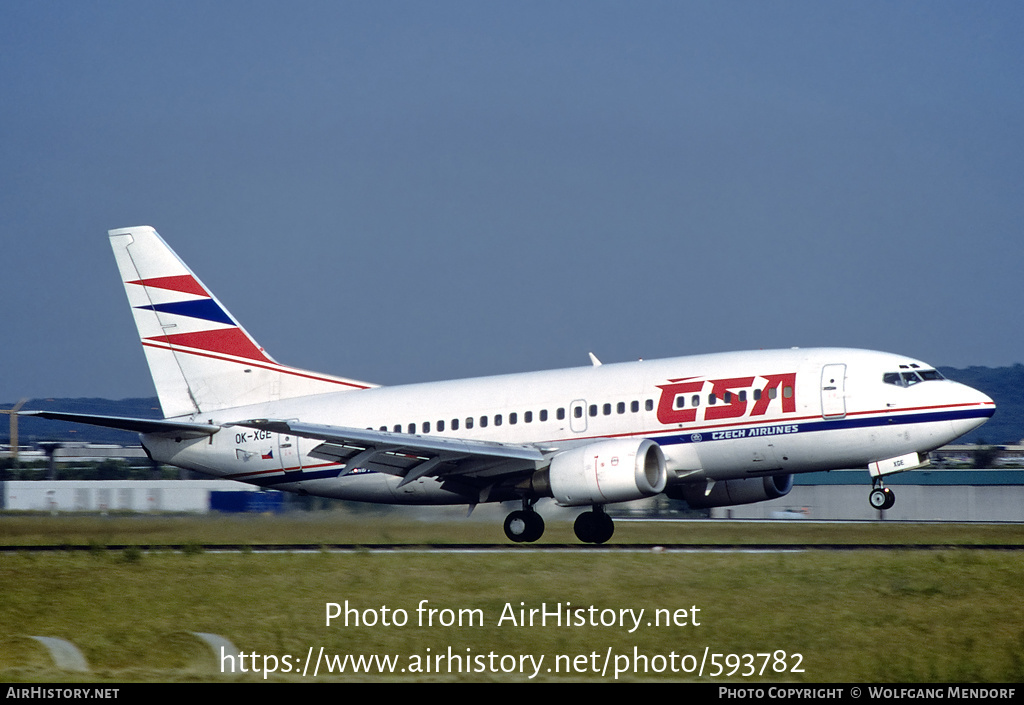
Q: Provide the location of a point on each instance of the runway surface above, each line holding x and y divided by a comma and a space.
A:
509, 548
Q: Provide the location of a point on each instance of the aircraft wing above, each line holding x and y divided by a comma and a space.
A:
407, 455
183, 429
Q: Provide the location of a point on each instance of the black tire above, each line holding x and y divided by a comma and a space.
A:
594, 527
584, 527
536, 526
890, 498
878, 498
524, 526
605, 527
517, 526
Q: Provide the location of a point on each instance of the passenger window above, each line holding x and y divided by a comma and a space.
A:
634, 406
469, 422
455, 424
607, 408
426, 427
773, 392
620, 407
743, 395
681, 402
649, 405
512, 418
497, 419
398, 428
757, 395
696, 399
527, 417
787, 392
727, 397
483, 422
412, 428
440, 426
712, 400
544, 414
593, 409
577, 411
384, 428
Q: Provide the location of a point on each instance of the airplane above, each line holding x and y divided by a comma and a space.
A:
713, 430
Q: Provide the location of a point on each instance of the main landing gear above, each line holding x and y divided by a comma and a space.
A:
594, 527
525, 525
881, 497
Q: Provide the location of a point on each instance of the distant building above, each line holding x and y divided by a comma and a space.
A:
954, 455
72, 452
921, 495
198, 496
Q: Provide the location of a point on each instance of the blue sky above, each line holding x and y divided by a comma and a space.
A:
402, 192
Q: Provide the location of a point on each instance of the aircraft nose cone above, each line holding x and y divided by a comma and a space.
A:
984, 401
975, 409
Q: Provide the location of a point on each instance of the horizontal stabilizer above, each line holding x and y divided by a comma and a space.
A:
184, 429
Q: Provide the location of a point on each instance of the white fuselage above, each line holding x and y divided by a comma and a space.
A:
715, 417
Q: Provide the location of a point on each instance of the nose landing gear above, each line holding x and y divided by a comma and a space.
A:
881, 497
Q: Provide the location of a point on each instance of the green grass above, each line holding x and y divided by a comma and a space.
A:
367, 528
917, 616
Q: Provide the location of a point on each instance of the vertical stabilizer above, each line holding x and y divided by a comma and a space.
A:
200, 358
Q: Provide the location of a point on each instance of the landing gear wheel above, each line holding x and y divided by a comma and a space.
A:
584, 527
882, 498
876, 498
524, 526
890, 498
594, 527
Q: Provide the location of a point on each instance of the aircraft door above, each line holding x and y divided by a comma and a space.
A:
578, 416
833, 391
288, 452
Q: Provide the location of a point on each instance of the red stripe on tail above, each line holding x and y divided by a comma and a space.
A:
184, 283
228, 341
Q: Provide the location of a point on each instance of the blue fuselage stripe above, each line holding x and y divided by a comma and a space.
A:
780, 427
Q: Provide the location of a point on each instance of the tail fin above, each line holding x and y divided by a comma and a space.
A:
200, 358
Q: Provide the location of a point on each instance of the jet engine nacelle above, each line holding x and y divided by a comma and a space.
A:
607, 471
743, 491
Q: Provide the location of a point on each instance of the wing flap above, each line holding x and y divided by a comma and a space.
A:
408, 456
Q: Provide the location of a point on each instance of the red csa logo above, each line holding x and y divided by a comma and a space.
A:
728, 403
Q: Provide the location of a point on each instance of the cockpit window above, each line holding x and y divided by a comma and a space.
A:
910, 378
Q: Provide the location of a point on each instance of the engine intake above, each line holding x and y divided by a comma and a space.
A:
607, 471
